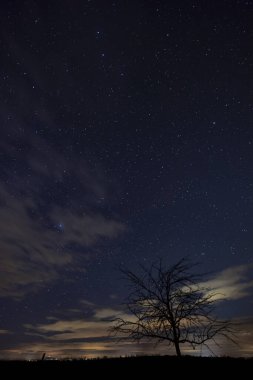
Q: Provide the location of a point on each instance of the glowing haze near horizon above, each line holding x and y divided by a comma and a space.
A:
126, 135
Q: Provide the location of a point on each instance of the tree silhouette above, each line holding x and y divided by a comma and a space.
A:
170, 305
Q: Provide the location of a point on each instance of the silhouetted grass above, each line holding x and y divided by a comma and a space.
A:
199, 367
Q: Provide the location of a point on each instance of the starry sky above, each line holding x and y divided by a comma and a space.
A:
126, 135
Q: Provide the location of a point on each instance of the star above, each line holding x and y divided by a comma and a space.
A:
60, 226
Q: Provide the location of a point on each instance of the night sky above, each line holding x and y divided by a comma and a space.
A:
126, 135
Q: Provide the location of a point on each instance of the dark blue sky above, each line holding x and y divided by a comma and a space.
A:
126, 135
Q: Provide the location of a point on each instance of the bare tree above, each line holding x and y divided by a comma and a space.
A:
170, 305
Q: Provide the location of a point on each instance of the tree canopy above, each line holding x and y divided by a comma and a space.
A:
171, 305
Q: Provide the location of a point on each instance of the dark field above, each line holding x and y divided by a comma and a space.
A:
196, 367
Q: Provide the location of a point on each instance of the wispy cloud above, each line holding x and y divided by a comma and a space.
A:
95, 327
45, 228
89, 337
5, 332
232, 283
80, 337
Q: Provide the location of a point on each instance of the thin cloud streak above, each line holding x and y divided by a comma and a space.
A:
231, 284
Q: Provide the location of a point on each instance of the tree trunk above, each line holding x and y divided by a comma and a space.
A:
176, 340
177, 348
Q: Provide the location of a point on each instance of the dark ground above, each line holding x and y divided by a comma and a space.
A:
196, 367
